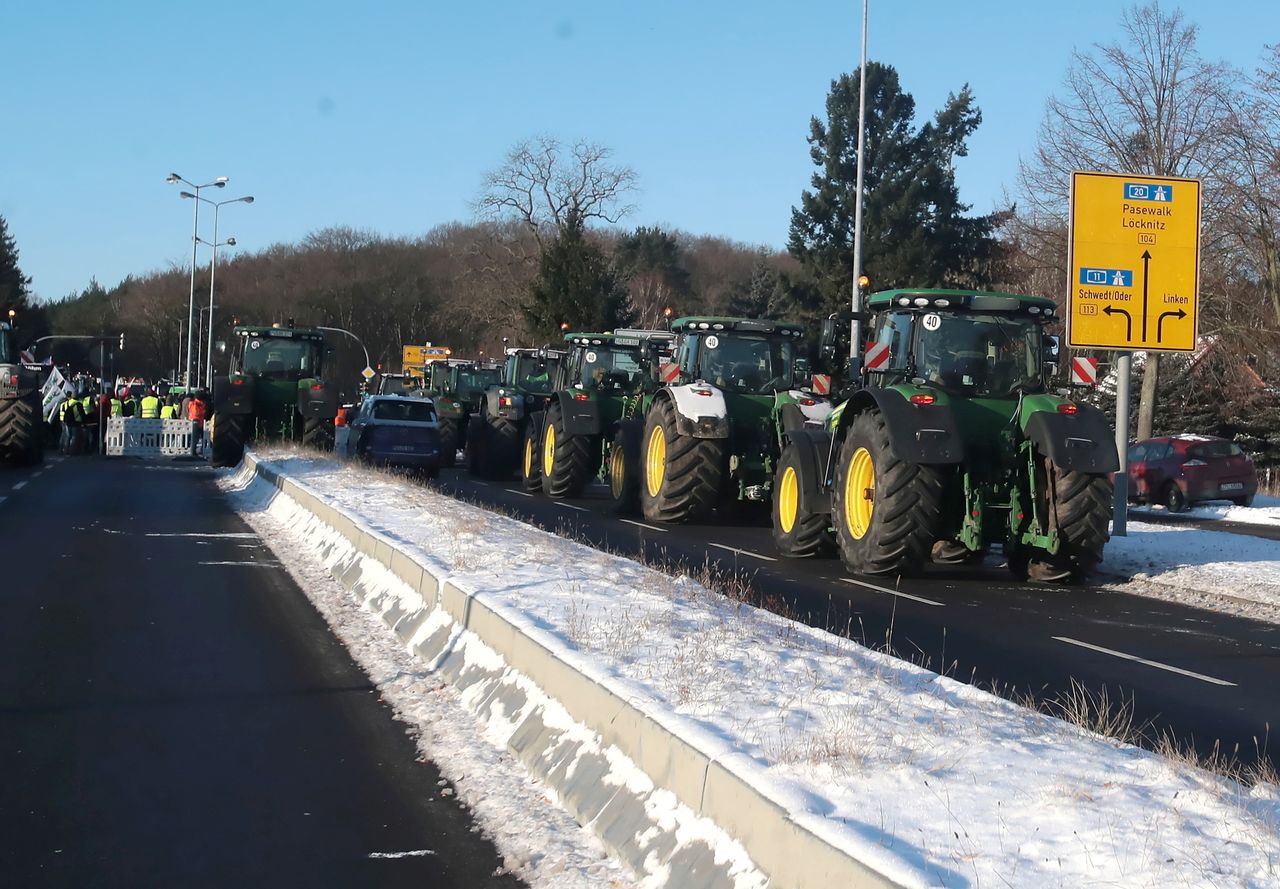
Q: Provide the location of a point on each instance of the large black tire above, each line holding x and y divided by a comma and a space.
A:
624, 468
905, 503
450, 438
1173, 498
504, 447
317, 433
682, 476
797, 534
568, 462
1082, 504
477, 448
227, 445
21, 430
531, 456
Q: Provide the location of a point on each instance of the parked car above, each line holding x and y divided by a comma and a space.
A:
393, 430
1179, 470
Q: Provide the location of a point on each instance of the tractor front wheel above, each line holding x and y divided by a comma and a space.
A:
797, 534
227, 439
569, 462
449, 440
683, 475
885, 509
530, 468
624, 468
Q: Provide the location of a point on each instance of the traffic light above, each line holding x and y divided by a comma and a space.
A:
122, 342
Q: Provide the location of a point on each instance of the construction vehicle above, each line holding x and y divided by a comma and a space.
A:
605, 383
457, 386
953, 443
275, 391
21, 414
715, 429
493, 442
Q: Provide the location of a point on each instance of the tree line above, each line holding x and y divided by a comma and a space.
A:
548, 246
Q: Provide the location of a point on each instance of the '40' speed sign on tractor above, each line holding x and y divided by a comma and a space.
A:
1134, 262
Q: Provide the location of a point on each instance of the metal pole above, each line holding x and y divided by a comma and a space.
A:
354, 337
102, 377
855, 328
213, 262
191, 304
1120, 519
178, 369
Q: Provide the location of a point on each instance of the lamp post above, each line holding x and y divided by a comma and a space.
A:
220, 182
360, 342
855, 330
213, 263
200, 327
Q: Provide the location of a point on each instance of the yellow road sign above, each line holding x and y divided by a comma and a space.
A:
1134, 262
421, 356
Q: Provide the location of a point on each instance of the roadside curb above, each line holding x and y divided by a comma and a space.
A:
793, 848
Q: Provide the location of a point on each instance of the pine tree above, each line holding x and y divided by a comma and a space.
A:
575, 285
15, 291
915, 232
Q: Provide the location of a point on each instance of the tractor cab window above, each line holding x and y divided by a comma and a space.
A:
893, 329
979, 354
536, 374
279, 357
744, 362
608, 368
439, 375
472, 381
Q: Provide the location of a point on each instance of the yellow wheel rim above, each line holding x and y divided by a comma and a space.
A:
656, 461
528, 457
860, 493
617, 466
788, 499
549, 451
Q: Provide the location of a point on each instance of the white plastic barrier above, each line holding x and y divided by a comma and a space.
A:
135, 437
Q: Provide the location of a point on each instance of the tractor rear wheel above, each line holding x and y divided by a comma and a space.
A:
21, 431
624, 467
228, 438
504, 446
885, 509
569, 462
530, 458
449, 440
1081, 505
797, 534
683, 475
317, 433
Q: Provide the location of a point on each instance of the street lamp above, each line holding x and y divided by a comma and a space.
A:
855, 329
213, 262
220, 182
200, 327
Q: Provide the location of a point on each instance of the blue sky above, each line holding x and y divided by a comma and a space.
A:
386, 115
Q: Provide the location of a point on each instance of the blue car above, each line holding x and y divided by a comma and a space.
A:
393, 430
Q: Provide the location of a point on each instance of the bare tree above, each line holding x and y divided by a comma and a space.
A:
542, 183
1149, 105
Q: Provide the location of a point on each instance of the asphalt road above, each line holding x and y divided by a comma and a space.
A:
1207, 678
173, 712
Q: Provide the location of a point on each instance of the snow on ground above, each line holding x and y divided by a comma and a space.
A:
1265, 511
934, 778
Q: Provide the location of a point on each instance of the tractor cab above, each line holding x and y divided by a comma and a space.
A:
469, 381
532, 371
746, 356
620, 362
278, 352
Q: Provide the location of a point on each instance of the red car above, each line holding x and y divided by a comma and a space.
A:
1179, 470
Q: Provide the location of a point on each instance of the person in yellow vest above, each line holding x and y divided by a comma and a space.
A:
117, 406
169, 410
150, 407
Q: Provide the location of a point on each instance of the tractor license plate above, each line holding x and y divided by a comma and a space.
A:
1233, 486
403, 449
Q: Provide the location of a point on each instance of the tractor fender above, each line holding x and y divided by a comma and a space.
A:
811, 445
580, 417
812, 413
921, 433
700, 410
317, 399
493, 407
1079, 442
232, 399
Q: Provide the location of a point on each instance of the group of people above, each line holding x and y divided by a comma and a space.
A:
83, 416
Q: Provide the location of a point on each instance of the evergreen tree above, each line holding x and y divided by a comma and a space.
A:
575, 285
649, 260
915, 232
764, 296
15, 291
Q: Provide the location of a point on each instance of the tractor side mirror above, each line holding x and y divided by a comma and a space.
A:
1052, 347
827, 338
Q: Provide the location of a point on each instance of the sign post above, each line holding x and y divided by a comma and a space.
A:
1134, 279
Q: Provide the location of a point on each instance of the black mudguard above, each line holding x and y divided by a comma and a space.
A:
580, 417
812, 446
231, 399
1079, 442
318, 403
921, 433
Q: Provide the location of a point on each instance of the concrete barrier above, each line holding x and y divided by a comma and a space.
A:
791, 849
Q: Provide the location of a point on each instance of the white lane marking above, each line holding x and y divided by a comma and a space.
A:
481, 484
233, 535
514, 491
643, 525
1142, 660
19, 486
412, 853
253, 564
571, 506
3, 499
898, 593
37, 474
742, 552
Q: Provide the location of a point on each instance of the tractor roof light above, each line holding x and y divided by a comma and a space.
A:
942, 303
904, 301
1034, 310
717, 327
921, 301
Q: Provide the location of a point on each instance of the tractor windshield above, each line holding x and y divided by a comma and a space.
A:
471, 382
745, 362
609, 368
268, 356
535, 374
438, 376
978, 354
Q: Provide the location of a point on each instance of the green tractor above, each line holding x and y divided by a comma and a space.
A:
21, 410
954, 443
493, 443
715, 430
274, 392
458, 386
592, 425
